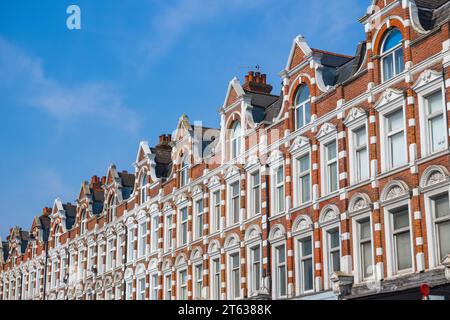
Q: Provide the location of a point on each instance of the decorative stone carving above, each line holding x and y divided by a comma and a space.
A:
425, 78
326, 130
299, 144
354, 115
393, 190
388, 96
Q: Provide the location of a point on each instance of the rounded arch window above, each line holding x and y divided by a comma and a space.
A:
143, 188
392, 54
302, 107
112, 205
184, 173
236, 140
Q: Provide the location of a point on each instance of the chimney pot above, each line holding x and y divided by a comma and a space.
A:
103, 181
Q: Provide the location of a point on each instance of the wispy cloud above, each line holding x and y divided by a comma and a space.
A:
177, 17
24, 82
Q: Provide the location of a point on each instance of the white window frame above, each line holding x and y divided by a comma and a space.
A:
231, 198
423, 93
300, 288
169, 227
230, 287
357, 256
168, 287
143, 189
215, 224
302, 105
131, 253
183, 227
252, 191
129, 289
154, 290
119, 251
252, 278
198, 226
326, 229
276, 186
236, 144
212, 271
325, 164
110, 254
142, 238
390, 251
275, 273
393, 52
154, 238
354, 168
182, 286
384, 113
433, 243
140, 290
184, 172
195, 281
299, 175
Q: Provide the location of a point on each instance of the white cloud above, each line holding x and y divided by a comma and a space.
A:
24, 82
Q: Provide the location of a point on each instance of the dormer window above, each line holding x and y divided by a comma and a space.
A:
57, 234
392, 55
143, 189
236, 140
302, 107
184, 174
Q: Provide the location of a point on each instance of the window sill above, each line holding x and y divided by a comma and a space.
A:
389, 172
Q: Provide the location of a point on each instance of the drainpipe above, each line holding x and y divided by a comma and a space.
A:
268, 271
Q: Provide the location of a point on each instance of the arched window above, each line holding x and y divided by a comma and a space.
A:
392, 54
184, 173
83, 222
302, 107
143, 189
236, 142
112, 205
57, 236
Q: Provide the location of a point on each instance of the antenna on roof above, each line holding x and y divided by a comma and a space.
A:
257, 67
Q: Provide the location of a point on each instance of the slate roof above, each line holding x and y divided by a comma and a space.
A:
265, 106
5, 247
433, 12
71, 213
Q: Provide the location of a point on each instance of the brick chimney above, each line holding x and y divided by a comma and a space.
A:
257, 82
46, 211
95, 182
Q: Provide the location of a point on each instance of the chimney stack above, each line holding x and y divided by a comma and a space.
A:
257, 82
46, 211
95, 182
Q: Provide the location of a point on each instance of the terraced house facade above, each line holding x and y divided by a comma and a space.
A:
336, 188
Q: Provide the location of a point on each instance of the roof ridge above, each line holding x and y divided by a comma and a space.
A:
332, 53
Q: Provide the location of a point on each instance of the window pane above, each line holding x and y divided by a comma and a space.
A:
395, 120
366, 256
302, 95
307, 113
334, 239
308, 274
305, 188
399, 64
394, 39
397, 145
335, 261
282, 281
437, 132
401, 220
360, 137
434, 102
300, 122
333, 183
365, 230
304, 164
281, 255
388, 67
403, 242
362, 163
331, 151
442, 208
306, 247
444, 239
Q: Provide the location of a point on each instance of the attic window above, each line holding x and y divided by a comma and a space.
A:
184, 173
236, 140
302, 107
143, 189
392, 55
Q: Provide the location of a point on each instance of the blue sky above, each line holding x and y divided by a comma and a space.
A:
73, 102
